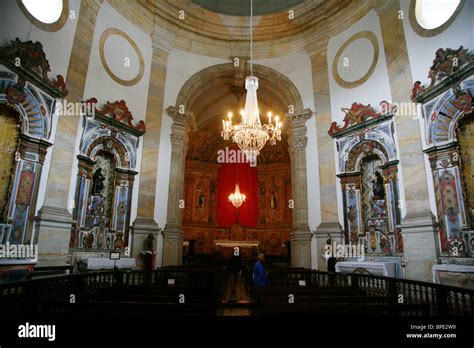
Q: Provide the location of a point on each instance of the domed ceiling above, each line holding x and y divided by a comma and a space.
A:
242, 7
221, 28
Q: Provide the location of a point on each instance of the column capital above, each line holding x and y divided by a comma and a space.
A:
298, 119
184, 119
298, 139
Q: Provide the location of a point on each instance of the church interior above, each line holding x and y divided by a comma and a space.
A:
177, 154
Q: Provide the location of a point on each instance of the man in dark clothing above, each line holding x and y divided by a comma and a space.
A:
259, 272
234, 267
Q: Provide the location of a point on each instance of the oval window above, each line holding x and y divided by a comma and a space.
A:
431, 14
46, 11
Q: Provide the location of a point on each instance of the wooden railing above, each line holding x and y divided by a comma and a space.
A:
29, 295
443, 300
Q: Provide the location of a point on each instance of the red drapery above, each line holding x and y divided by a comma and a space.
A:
246, 176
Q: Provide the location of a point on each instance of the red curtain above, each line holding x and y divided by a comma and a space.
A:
246, 176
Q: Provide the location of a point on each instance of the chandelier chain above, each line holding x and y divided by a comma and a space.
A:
250, 135
251, 37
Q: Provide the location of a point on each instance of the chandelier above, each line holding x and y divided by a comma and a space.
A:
237, 198
250, 135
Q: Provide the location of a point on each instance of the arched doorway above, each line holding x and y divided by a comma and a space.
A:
197, 117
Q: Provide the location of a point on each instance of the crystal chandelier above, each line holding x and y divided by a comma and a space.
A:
237, 198
250, 135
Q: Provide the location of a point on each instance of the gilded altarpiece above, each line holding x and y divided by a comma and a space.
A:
447, 112
368, 168
28, 104
105, 179
274, 210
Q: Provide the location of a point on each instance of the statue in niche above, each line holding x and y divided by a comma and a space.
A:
98, 182
378, 189
273, 201
150, 242
273, 198
200, 200
89, 240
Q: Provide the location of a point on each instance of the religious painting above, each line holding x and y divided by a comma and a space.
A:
352, 206
25, 189
465, 137
9, 133
121, 198
449, 200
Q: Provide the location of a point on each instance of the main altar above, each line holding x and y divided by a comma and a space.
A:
226, 248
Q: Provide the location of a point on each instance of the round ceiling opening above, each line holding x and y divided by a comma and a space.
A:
46, 11
431, 14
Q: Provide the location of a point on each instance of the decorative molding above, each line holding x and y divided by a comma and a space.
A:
28, 60
442, 114
449, 66
107, 132
359, 114
118, 111
353, 84
103, 38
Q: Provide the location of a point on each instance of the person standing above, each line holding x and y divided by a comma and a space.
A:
259, 272
234, 266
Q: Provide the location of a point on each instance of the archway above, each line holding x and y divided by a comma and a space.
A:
201, 104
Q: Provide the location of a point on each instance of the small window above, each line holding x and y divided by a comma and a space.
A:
48, 15
431, 14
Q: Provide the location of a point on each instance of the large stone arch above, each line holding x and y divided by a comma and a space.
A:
184, 122
278, 82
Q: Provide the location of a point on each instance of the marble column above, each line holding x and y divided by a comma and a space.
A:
173, 232
300, 236
420, 236
54, 221
145, 223
326, 161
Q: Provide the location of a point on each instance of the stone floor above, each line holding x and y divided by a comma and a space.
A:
235, 303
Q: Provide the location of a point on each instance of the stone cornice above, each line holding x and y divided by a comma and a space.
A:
208, 33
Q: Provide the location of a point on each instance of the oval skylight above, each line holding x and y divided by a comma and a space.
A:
431, 14
46, 11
